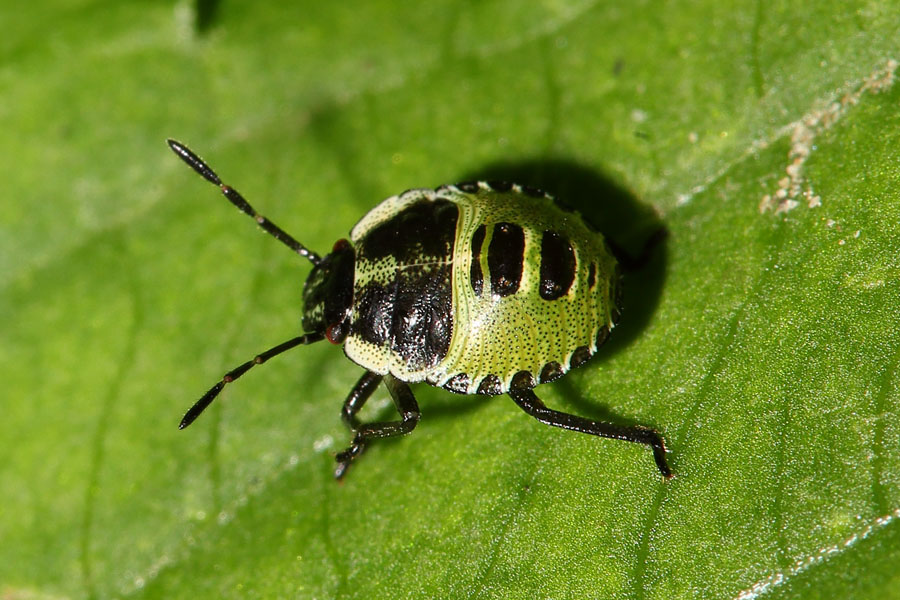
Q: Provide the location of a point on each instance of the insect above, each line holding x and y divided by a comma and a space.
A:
478, 288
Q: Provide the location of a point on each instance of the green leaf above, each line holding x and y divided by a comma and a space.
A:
761, 340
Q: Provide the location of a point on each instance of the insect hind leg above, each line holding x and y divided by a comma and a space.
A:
531, 404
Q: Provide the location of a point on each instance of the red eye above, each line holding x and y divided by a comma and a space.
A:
335, 334
340, 245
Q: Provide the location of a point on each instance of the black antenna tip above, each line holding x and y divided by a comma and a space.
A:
191, 415
193, 161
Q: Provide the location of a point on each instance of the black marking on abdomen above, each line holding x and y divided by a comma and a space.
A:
469, 187
500, 186
533, 191
506, 255
475, 274
592, 276
424, 230
580, 356
459, 383
523, 380
557, 266
602, 336
551, 371
490, 386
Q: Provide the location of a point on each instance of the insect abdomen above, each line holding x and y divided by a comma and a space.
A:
534, 292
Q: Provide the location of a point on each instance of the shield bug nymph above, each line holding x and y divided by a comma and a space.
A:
478, 288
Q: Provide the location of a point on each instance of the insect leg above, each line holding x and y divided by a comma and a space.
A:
632, 263
358, 397
404, 401
531, 404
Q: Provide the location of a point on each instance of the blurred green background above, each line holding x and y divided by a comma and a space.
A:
762, 340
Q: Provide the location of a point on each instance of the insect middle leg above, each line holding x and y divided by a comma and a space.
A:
404, 401
530, 403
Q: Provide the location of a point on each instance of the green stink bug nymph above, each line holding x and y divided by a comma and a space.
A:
478, 288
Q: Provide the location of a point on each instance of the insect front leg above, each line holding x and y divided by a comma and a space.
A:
404, 401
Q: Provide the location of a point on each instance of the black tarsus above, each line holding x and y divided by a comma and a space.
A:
635, 263
403, 399
205, 15
233, 374
531, 404
233, 196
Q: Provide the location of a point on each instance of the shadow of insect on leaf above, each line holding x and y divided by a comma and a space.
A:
205, 13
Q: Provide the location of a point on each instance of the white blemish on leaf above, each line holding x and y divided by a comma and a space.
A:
185, 16
786, 205
323, 443
795, 187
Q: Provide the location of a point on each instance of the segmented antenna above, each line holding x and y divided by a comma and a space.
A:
197, 164
233, 374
